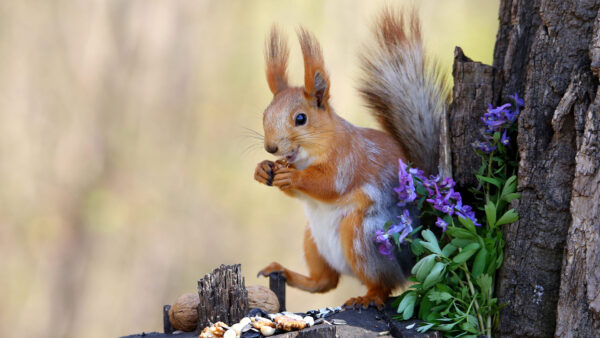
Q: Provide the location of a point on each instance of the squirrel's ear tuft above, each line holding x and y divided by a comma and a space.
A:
276, 57
316, 80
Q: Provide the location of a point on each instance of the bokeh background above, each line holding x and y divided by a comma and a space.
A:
125, 165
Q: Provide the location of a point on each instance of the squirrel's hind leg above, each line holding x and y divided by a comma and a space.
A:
322, 277
351, 235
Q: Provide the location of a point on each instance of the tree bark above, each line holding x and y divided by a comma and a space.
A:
473, 91
543, 52
578, 312
223, 296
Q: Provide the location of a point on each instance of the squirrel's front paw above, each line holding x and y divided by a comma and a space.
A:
273, 267
264, 172
283, 177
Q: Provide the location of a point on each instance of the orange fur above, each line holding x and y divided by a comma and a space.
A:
343, 173
276, 57
350, 233
321, 277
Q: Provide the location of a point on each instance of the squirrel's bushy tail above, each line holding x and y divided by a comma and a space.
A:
405, 91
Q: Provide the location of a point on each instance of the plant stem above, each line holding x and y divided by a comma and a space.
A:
489, 175
472, 289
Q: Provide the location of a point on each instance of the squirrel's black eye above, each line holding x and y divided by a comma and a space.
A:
300, 119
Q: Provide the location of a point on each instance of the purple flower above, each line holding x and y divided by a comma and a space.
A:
442, 224
406, 189
496, 118
383, 243
518, 101
466, 212
504, 140
442, 202
485, 147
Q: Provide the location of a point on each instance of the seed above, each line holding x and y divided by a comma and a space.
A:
267, 331
309, 321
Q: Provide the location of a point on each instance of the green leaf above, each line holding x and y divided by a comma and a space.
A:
467, 223
500, 259
424, 328
466, 253
510, 197
490, 213
448, 250
421, 190
424, 268
416, 247
410, 308
431, 243
485, 284
408, 298
489, 180
461, 233
496, 137
510, 185
387, 225
432, 247
471, 324
461, 243
425, 307
429, 236
509, 217
438, 297
479, 262
446, 327
435, 275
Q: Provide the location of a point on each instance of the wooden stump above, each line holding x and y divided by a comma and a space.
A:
223, 296
277, 285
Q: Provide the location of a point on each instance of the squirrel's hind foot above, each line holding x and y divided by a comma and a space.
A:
364, 302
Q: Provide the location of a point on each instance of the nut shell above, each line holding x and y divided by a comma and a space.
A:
183, 314
217, 330
288, 323
262, 297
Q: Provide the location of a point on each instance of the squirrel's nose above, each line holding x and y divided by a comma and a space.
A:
271, 148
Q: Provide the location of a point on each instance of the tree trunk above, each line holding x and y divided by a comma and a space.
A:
543, 52
579, 300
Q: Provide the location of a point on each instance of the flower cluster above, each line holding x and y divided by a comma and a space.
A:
438, 192
498, 120
406, 190
403, 229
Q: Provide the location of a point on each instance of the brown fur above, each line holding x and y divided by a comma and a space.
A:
333, 162
276, 57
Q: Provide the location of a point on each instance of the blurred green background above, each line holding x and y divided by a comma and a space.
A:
125, 169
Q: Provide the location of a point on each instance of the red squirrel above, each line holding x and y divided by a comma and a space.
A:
344, 174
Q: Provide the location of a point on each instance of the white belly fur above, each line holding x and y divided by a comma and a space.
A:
324, 222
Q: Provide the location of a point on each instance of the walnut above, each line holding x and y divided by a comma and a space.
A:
260, 323
217, 330
288, 323
262, 297
183, 314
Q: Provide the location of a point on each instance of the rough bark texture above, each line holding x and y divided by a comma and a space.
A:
223, 296
542, 53
578, 312
473, 91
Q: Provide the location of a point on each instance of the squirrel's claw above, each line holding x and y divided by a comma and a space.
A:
273, 267
264, 172
364, 302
